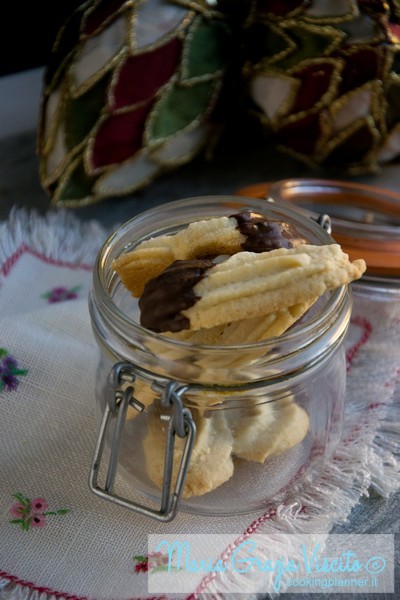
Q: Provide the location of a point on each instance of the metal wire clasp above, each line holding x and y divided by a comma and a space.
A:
180, 423
322, 219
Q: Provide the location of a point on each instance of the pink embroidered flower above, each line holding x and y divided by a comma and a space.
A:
38, 505
157, 559
37, 521
59, 294
17, 510
32, 513
154, 562
142, 567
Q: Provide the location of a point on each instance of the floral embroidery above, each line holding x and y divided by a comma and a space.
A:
153, 563
142, 564
32, 513
59, 294
9, 372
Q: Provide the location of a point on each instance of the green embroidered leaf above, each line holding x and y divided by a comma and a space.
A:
140, 558
62, 511
20, 371
181, 106
82, 113
16, 521
208, 48
26, 525
21, 499
3, 352
161, 568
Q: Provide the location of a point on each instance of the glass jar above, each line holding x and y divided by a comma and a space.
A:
213, 430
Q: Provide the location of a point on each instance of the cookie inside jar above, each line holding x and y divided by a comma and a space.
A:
247, 309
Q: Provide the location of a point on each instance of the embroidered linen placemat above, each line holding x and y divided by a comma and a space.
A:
58, 540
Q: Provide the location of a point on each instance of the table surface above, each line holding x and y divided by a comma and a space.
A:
239, 161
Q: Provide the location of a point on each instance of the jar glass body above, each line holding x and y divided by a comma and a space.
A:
267, 414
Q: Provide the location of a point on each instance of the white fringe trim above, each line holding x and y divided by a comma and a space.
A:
58, 235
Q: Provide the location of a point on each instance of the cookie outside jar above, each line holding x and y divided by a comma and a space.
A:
250, 422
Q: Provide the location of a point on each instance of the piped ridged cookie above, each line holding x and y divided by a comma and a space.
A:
210, 237
201, 294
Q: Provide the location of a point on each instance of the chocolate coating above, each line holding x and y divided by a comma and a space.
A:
165, 296
263, 235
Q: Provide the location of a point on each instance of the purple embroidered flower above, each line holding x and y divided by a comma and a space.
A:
60, 294
9, 362
10, 382
9, 372
32, 513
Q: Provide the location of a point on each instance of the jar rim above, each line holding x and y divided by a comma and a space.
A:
125, 325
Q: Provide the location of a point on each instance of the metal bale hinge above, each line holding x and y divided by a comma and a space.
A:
325, 222
323, 219
180, 422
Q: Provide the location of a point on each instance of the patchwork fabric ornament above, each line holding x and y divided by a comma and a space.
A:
323, 77
131, 90
137, 87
